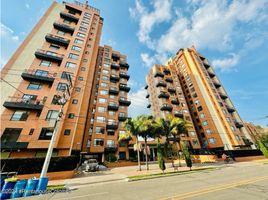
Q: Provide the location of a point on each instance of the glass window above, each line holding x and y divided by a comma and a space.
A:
86, 19
61, 33
76, 48
99, 130
82, 29
34, 86
111, 113
98, 142
77, 89
205, 123
195, 142
41, 73
110, 143
102, 100
212, 140
102, 84
84, 23
105, 71
237, 137
67, 132
208, 131
71, 115
103, 92
192, 133
100, 119
46, 134
54, 46
45, 63
66, 21
73, 56
77, 41
20, 115
81, 35
105, 78
64, 75
233, 128
80, 78
101, 109
74, 101
52, 114
70, 65
62, 87
83, 69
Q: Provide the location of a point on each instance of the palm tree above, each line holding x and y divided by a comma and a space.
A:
132, 127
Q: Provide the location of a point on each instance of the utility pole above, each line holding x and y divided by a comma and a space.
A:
62, 101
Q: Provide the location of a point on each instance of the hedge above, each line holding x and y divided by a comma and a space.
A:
34, 165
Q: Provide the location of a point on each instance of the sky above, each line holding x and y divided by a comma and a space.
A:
233, 35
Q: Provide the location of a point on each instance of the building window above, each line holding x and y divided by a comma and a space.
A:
64, 75
102, 100
212, 140
82, 29
199, 108
77, 89
73, 56
34, 86
192, 133
101, 109
105, 78
41, 73
81, 35
195, 142
31, 131
54, 46
46, 134
103, 92
205, 123
84, 23
77, 41
52, 114
111, 113
45, 63
99, 130
208, 131
100, 119
237, 137
86, 19
20, 115
61, 33
76, 48
98, 142
71, 115
67, 132
83, 69
105, 71
202, 115
66, 21
80, 78
62, 87
70, 65
102, 84
74, 101
233, 128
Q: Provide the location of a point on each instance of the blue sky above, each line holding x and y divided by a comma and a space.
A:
233, 35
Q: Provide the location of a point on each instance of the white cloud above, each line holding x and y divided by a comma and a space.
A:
9, 42
147, 60
226, 64
27, 6
138, 103
147, 20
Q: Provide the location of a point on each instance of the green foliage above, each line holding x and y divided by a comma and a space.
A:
111, 157
160, 159
263, 149
187, 156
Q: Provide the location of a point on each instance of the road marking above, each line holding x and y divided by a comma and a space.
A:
215, 188
86, 195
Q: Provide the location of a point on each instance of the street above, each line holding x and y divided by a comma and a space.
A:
247, 180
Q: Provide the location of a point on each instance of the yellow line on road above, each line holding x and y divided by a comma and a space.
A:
215, 188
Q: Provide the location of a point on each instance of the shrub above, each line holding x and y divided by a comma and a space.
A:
263, 149
111, 157
187, 157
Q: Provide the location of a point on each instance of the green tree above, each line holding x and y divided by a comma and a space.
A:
160, 159
187, 156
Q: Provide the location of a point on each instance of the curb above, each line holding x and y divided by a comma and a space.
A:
90, 183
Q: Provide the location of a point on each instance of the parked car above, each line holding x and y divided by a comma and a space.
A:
91, 165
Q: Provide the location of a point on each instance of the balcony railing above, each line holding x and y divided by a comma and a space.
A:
123, 75
114, 78
217, 84
163, 95
24, 104
113, 107
223, 96
115, 66
211, 74
206, 65
111, 125
69, 17
180, 115
124, 102
124, 65
50, 56
34, 76
166, 71
166, 107
172, 90
122, 118
238, 124
161, 84
113, 91
63, 27
175, 101
57, 40
115, 56
230, 109
124, 87
158, 74
147, 96
169, 79
149, 106
14, 145
146, 87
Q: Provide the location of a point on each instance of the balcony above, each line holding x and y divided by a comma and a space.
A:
217, 84
161, 84
146, 87
122, 118
211, 74
223, 96
124, 65
169, 79
230, 109
23, 104
115, 56
124, 102
63, 27
163, 95
114, 78
111, 125
113, 91
48, 55
180, 115
166, 71
166, 107
158, 74
69, 17
172, 90
206, 65
147, 96
110, 148
72, 9
57, 40
149, 106
14, 145
115, 66
238, 124
124, 87
123, 75
175, 101
113, 107
34, 76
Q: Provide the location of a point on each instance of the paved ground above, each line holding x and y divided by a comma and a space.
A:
247, 181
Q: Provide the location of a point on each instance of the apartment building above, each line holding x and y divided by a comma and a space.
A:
166, 98
216, 121
63, 44
255, 132
108, 106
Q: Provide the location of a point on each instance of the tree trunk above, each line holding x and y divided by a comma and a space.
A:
146, 154
138, 154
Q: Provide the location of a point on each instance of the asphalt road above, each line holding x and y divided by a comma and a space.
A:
245, 181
